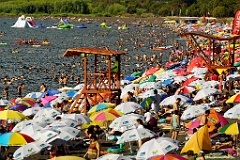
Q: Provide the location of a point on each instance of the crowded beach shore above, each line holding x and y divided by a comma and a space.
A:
167, 103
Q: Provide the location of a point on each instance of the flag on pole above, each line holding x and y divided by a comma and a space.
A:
236, 23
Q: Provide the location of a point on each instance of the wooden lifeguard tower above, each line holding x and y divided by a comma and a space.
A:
101, 84
210, 53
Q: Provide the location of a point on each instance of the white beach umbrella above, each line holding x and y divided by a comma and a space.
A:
125, 122
79, 86
233, 77
123, 82
128, 88
194, 111
180, 79
147, 85
29, 149
65, 133
31, 111
62, 123
150, 93
80, 118
31, 130
36, 95
113, 157
198, 70
166, 75
233, 113
128, 107
171, 100
135, 134
21, 125
4, 102
210, 84
64, 89
205, 93
46, 115
45, 134
160, 139
153, 148
197, 83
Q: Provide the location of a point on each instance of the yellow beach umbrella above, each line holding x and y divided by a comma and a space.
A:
101, 106
86, 125
67, 158
11, 115
199, 141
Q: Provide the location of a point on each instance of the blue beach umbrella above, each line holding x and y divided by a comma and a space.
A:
71, 93
166, 82
52, 92
131, 78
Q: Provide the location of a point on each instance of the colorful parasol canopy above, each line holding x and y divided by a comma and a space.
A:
215, 120
14, 139
101, 106
190, 80
168, 157
11, 115
232, 129
18, 107
234, 99
103, 116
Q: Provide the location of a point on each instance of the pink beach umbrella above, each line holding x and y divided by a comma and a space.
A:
47, 99
168, 157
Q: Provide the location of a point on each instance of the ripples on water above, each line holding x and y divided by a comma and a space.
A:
44, 57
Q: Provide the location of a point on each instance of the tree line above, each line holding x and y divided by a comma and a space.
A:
137, 8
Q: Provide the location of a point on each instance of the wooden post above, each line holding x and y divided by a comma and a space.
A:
95, 80
233, 53
109, 75
85, 83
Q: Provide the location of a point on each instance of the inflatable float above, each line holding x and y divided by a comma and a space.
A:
123, 27
25, 22
104, 25
82, 26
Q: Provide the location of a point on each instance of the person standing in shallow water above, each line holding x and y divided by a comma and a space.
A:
20, 88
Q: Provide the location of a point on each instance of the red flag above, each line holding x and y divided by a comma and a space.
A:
236, 23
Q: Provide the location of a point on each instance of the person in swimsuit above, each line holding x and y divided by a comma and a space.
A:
175, 123
204, 119
93, 151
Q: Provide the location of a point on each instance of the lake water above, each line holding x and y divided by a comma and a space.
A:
44, 57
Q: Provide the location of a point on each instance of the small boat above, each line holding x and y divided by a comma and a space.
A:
36, 45
162, 48
46, 43
3, 43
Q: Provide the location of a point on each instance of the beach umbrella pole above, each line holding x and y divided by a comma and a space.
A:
130, 148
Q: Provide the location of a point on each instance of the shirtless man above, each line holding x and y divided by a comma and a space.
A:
176, 105
204, 118
126, 97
